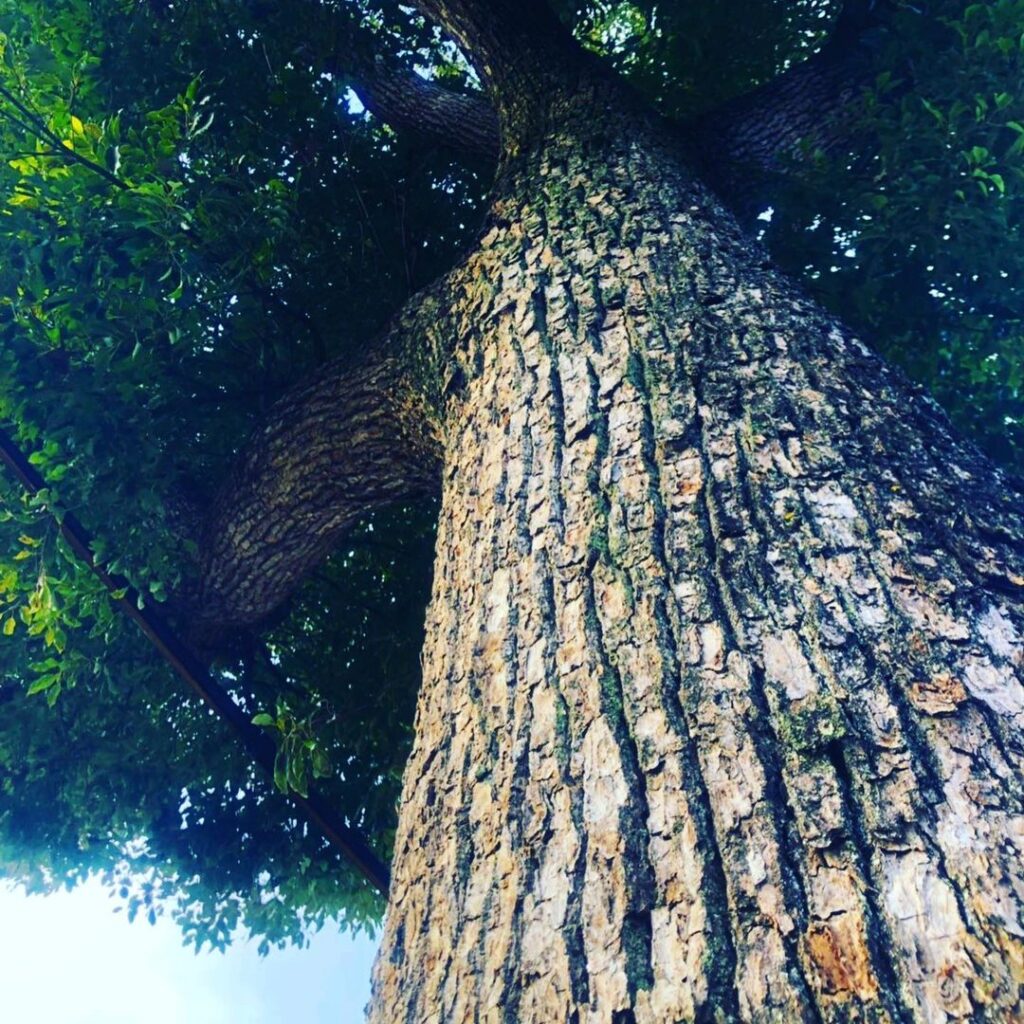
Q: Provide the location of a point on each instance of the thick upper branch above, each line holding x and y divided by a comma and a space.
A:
749, 139
527, 60
408, 102
331, 450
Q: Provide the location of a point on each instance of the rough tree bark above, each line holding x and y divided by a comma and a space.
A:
722, 714
350, 440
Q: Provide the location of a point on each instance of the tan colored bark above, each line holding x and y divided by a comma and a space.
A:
722, 703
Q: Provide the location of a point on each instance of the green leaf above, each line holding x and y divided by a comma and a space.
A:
43, 683
934, 111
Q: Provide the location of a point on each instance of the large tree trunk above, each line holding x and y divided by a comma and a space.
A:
722, 713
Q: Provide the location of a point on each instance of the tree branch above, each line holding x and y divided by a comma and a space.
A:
38, 126
409, 102
520, 49
754, 133
526, 58
746, 142
406, 101
332, 449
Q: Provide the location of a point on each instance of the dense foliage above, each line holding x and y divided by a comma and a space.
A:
196, 213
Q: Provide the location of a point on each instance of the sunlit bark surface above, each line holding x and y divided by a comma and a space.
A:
722, 706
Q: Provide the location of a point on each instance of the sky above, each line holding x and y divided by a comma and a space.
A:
67, 958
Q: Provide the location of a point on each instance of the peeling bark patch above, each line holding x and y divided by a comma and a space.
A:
999, 632
938, 696
837, 516
1000, 689
786, 666
839, 951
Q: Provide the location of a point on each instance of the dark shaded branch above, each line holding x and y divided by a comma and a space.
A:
526, 58
395, 93
748, 141
331, 450
408, 102
738, 145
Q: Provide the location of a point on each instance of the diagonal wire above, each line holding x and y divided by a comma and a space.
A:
349, 842
36, 125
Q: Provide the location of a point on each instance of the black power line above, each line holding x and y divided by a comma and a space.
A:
351, 843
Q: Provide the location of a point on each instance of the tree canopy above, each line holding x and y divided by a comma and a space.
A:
197, 212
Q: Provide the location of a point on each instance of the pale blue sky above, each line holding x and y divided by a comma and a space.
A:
67, 959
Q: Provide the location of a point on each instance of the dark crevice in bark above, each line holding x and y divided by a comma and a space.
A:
721, 968
574, 942
479, 954
762, 732
766, 740
397, 955
411, 1012
927, 773
523, 538
635, 812
880, 941
463, 837
573, 927
968, 919
520, 752
721, 958
557, 404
